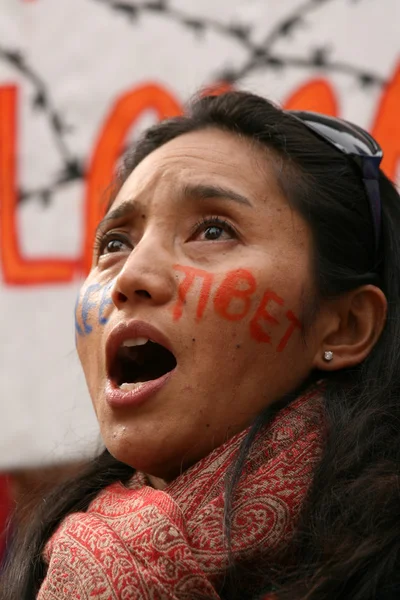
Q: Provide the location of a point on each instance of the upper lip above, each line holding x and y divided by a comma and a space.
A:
130, 330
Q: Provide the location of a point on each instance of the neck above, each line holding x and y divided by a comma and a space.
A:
156, 482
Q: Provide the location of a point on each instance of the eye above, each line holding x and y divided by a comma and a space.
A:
214, 229
111, 243
113, 246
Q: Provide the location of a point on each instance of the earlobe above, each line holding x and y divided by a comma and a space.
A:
356, 321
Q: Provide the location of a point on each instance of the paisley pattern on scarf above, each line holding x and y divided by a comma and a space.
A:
137, 542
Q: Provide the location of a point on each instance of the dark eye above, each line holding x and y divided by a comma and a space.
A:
213, 229
113, 246
213, 232
110, 243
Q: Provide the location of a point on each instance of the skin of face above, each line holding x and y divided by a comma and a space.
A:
224, 376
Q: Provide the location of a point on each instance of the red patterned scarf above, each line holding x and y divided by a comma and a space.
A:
140, 543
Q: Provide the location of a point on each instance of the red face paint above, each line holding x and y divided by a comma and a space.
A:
232, 301
184, 286
294, 324
237, 285
262, 314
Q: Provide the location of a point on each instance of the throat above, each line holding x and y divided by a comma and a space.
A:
156, 482
141, 364
134, 373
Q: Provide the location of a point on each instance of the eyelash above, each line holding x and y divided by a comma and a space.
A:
215, 221
102, 238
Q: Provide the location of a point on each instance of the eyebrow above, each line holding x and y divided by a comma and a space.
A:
191, 191
126, 208
208, 191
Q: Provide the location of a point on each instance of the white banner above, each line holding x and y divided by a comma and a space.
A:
78, 80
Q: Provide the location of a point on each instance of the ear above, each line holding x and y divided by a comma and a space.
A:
350, 327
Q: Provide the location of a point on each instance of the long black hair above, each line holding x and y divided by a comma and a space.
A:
347, 544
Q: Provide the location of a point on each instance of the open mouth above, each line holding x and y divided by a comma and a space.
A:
140, 360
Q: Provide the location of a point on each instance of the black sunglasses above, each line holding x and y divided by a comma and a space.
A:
360, 146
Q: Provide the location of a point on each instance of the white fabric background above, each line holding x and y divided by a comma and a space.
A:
87, 53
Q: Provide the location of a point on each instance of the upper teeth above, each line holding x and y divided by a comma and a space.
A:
139, 341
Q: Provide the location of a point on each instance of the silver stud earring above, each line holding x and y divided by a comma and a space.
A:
328, 355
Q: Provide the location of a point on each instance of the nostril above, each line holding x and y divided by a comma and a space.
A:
121, 298
143, 293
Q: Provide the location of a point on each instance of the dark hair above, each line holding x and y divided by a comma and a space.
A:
348, 539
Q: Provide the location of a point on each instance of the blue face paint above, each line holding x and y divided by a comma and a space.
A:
104, 302
84, 328
78, 328
87, 306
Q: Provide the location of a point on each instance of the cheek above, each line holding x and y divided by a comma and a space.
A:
236, 304
92, 310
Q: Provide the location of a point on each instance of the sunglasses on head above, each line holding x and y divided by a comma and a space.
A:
357, 144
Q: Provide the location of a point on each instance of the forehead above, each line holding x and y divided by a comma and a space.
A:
209, 156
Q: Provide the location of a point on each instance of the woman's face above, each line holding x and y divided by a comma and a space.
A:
202, 255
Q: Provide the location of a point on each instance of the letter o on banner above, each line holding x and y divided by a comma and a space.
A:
109, 146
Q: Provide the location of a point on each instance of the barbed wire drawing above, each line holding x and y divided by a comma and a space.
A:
260, 56
72, 167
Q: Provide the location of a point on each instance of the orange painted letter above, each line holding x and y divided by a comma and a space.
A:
17, 269
294, 323
232, 289
256, 330
190, 275
386, 128
316, 95
109, 146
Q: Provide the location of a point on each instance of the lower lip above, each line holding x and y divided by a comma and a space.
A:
120, 398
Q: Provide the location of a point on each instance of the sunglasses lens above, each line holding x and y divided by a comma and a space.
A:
357, 144
348, 138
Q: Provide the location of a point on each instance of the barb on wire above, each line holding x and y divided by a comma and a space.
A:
318, 59
263, 56
199, 25
69, 173
72, 167
259, 56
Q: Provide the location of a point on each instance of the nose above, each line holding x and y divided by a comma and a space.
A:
147, 276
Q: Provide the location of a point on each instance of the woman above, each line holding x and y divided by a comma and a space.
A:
240, 336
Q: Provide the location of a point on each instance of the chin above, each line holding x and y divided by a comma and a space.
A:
142, 455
